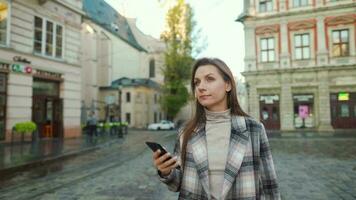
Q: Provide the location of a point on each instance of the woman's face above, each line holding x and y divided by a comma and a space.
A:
210, 88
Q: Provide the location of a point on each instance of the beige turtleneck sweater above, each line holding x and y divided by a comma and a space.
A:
218, 130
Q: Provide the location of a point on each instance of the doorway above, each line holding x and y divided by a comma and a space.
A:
47, 108
304, 111
269, 111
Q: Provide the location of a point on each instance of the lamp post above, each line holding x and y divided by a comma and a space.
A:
120, 121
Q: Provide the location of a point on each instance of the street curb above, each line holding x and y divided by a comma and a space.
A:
6, 172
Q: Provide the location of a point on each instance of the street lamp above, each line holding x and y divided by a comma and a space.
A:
120, 121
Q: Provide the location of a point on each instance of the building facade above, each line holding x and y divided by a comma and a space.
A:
300, 67
114, 48
39, 66
138, 100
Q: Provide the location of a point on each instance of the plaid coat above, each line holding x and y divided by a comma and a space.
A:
249, 171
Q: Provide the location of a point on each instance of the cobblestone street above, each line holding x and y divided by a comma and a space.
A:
308, 167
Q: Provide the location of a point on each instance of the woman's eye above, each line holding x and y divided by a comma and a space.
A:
210, 78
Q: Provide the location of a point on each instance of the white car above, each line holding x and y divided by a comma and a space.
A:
163, 125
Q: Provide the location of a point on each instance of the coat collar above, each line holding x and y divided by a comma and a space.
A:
237, 147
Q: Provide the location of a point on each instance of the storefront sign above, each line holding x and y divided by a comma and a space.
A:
343, 96
269, 99
303, 111
20, 59
21, 68
303, 97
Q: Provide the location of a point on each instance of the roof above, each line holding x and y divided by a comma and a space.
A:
151, 44
107, 17
132, 82
135, 82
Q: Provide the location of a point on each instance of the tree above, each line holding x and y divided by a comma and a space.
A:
179, 37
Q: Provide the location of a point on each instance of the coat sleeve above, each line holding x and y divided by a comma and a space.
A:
173, 180
270, 188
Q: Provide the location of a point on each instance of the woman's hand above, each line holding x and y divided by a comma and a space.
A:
164, 163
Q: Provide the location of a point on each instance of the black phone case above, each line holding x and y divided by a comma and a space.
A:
155, 146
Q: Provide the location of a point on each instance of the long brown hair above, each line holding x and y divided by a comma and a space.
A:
199, 116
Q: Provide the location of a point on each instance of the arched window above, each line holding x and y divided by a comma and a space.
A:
152, 69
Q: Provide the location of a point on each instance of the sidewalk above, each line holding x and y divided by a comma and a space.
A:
17, 157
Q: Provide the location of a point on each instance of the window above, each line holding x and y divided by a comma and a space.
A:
4, 12
344, 110
128, 97
48, 39
266, 5
152, 69
267, 49
300, 3
340, 43
128, 118
302, 46
156, 98
155, 117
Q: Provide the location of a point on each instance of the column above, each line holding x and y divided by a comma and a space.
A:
250, 49
253, 100
285, 56
286, 102
322, 54
19, 100
324, 103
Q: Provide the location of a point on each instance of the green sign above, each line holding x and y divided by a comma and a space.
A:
343, 96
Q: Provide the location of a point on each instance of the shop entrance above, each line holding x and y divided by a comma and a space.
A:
47, 109
269, 111
303, 111
343, 110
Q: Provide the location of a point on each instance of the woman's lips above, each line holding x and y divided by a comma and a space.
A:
204, 97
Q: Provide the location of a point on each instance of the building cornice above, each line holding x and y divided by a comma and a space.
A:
70, 7
246, 17
299, 70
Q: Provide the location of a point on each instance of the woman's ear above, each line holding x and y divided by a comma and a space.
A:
227, 86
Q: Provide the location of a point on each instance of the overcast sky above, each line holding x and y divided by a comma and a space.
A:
216, 18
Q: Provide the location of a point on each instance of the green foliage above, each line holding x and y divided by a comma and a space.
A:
175, 96
180, 40
25, 127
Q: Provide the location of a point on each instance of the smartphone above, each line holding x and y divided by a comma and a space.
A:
155, 146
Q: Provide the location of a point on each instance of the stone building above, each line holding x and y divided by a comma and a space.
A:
300, 66
39, 66
114, 49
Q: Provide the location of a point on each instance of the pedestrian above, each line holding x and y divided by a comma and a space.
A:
222, 152
91, 123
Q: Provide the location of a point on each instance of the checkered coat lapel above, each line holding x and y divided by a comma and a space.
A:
200, 155
238, 141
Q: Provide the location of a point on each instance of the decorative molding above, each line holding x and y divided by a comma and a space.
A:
344, 19
270, 29
299, 25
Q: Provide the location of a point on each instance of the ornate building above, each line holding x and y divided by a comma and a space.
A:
300, 66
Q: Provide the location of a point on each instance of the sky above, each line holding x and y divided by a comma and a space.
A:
215, 18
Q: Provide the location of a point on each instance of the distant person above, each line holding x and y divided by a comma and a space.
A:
92, 123
222, 152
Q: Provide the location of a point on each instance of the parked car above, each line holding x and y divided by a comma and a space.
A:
162, 125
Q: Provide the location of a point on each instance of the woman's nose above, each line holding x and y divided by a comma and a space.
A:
201, 87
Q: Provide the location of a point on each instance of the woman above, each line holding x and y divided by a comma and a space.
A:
223, 153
